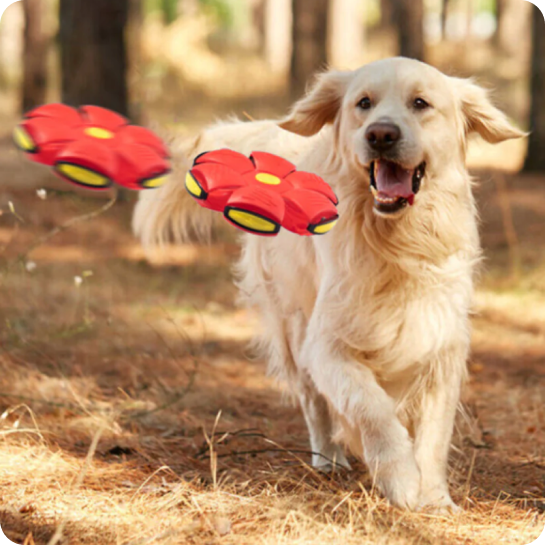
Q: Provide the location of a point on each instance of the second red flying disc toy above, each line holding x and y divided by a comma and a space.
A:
262, 193
93, 147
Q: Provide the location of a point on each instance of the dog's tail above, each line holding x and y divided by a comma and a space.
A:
169, 213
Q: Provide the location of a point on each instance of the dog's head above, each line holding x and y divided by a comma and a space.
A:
400, 120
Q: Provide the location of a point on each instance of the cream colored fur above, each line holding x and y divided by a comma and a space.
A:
369, 323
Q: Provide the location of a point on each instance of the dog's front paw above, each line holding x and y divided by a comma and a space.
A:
438, 503
400, 482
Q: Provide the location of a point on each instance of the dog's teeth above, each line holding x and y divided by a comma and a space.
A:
384, 200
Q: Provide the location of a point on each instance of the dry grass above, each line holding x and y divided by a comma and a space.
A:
194, 444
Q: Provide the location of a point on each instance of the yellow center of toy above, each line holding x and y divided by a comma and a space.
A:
97, 132
251, 221
269, 179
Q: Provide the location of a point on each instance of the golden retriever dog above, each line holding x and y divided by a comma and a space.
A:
368, 324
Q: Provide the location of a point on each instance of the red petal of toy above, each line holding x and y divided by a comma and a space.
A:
103, 118
267, 162
229, 158
60, 112
255, 210
132, 134
218, 183
312, 182
140, 167
48, 137
308, 212
88, 163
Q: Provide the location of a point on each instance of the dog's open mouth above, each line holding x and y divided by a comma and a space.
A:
394, 186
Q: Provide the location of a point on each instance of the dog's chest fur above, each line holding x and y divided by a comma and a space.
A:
395, 316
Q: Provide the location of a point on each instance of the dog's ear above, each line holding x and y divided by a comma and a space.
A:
319, 106
482, 117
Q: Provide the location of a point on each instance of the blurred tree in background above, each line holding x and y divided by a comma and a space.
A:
444, 17
505, 39
346, 32
535, 159
309, 55
277, 34
34, 84
408, 16
93, 53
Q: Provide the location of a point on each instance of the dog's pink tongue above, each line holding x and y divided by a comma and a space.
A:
394, 181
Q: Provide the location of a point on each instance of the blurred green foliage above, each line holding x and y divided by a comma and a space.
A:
170, 10
223, 11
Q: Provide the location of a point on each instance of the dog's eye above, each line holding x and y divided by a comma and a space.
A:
420, 104
365, 103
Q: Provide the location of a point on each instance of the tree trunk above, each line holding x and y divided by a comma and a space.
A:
535, 159
386, 13
444, 18
93, 53
34, 56
512, 18
258, 11
500, 22
309, 53
277, 35
409, 17
347, 30
133, 37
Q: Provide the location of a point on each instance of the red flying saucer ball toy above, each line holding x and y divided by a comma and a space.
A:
262, 193
93, 147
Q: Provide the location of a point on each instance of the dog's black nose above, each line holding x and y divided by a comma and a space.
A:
382, 135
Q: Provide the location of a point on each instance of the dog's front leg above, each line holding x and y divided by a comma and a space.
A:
368, 412
434, 425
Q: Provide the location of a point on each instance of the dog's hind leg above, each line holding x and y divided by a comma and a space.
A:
326, 455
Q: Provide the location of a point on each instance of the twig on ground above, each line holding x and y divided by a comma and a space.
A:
180, 395
202, 454
64, 226
173, 401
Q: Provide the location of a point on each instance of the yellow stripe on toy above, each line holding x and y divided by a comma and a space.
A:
23, 140
324, 227
251, 221
83, 175
193, 187
158, 181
